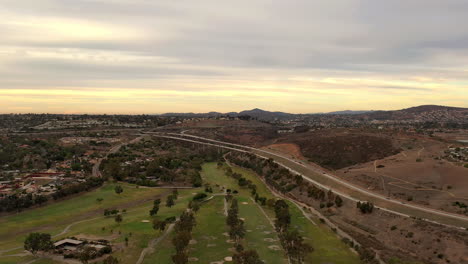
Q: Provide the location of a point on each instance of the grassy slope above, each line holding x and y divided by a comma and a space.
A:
15, 260
53, 218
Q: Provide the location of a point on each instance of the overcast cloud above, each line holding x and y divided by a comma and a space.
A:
138, 56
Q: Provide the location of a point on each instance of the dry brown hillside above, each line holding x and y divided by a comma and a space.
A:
335, 149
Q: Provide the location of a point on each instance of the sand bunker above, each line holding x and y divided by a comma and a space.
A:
274, 247
228, 259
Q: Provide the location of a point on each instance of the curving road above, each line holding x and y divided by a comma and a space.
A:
462, 221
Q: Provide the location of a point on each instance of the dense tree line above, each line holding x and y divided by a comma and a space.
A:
245, 183
280, 179
275, 176
17, 202
237, 233
183, 234
246, 257
90, 183
293, 243
365, 207
236, 225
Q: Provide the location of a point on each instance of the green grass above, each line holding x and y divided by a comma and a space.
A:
211, 245
328, 247
132, 227
260, 233
162, 253
16, 260
55, 217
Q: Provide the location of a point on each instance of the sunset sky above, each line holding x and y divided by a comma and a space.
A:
300, 56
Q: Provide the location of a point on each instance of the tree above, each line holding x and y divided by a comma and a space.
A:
181, 240
270, 202
111, 260
237, 231
247, 257
38, 242
283, 217
233, 212
294, 245
365, 207
40, 199
159, 225
170, 201
118, 189
87, 254
194, 206
154, 211
186, 222
338, 201
175, 193
118, 218
180, 258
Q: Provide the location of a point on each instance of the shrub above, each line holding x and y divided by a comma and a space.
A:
199, 196
105, 250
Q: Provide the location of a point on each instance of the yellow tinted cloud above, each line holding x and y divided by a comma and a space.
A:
64, 29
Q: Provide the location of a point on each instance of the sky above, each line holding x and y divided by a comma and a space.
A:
298, 56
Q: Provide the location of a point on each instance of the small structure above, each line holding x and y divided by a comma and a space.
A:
68, 244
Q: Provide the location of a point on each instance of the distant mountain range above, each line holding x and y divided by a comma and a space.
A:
348, 112
423, 112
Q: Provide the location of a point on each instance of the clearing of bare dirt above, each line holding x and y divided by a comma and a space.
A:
291, 149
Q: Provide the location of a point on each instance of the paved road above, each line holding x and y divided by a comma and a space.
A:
242, 148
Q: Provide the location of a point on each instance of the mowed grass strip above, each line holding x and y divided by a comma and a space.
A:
162, 253
209, 235
328, 247
260, 234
